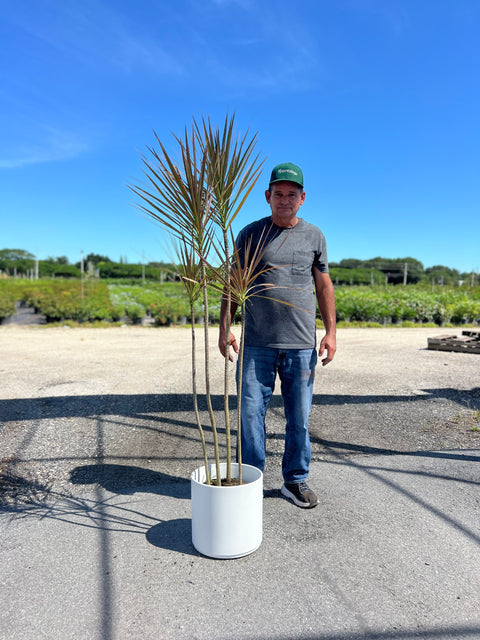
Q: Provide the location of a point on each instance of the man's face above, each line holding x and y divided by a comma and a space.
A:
285, 199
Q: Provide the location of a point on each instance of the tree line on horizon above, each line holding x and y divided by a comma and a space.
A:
350, 271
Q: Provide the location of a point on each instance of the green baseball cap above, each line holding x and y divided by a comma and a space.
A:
287, 172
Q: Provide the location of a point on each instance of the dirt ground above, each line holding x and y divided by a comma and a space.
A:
113, 406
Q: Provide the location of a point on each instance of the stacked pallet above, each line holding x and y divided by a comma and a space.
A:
468, 342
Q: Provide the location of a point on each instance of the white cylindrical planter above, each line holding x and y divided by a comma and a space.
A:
227, 521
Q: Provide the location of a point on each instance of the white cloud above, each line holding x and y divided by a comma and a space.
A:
97, 36
51, 145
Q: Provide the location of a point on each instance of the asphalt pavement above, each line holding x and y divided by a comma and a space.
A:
391, 552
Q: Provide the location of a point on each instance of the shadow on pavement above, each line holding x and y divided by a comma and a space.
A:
139, 405
128, 479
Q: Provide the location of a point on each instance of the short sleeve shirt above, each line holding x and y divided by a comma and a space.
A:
282, 316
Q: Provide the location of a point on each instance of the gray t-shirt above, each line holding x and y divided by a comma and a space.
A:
294, 253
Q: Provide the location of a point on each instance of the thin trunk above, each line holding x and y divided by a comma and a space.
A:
207, 378
239, 397
195, 398
227, 362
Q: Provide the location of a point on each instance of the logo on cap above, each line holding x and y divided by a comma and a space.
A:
288, 172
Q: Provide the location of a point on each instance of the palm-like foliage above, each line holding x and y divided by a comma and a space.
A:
181, 198
205, 190
181, 201
232, 172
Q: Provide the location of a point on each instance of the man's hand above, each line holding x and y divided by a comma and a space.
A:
231, 343
326, 304
328, 344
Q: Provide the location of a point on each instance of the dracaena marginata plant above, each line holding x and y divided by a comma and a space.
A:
233, 171
195, 199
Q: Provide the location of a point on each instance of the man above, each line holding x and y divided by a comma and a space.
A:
280, 331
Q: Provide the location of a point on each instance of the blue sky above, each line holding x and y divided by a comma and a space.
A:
377, 100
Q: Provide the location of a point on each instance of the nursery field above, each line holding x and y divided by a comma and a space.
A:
165, 304
96, 301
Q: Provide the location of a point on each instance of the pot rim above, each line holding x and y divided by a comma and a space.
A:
200, 471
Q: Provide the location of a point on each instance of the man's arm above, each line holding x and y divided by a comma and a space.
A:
326, 303
223, 328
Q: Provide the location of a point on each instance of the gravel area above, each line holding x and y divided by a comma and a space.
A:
112, 407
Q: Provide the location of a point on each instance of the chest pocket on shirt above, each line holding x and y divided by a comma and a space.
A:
302, 262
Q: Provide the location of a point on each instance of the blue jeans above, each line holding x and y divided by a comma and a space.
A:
296, 370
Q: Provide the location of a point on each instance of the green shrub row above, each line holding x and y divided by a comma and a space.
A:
447, 305
166, 304
9, 296
61, 300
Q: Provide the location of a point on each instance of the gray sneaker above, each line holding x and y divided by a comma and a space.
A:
301, 494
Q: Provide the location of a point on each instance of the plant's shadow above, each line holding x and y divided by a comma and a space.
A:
129, 479
21, 497
173, 535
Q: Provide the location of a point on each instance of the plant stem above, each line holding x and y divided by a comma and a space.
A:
227, 362
195, 398
207, 378
239, 397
